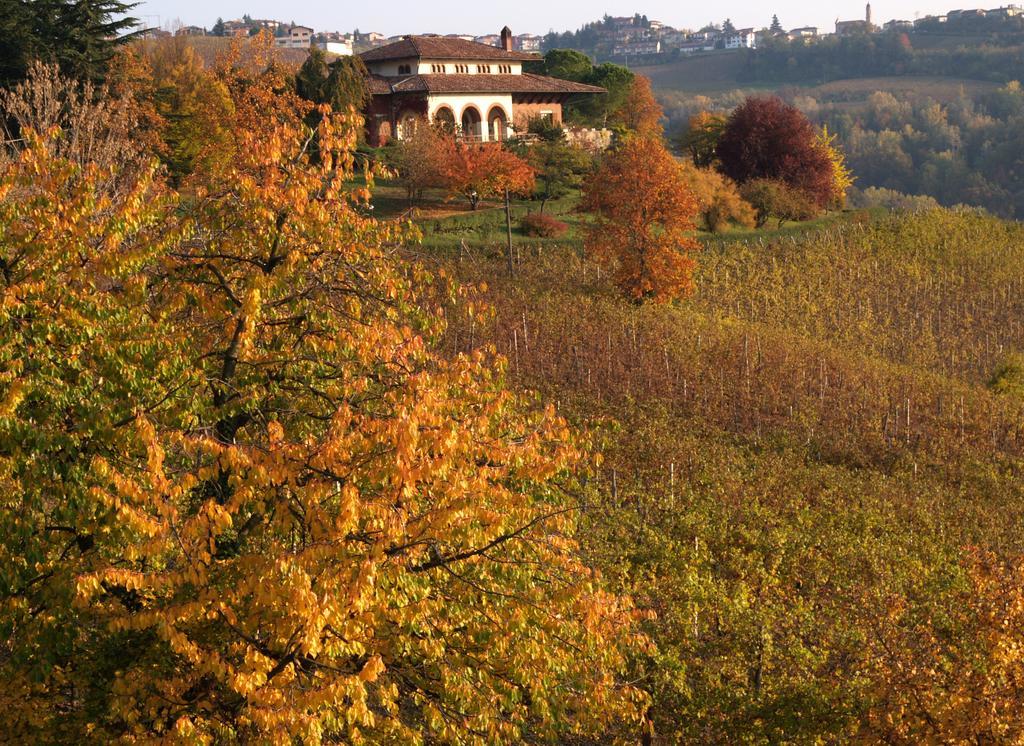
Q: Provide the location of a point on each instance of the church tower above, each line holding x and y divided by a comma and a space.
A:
867, 15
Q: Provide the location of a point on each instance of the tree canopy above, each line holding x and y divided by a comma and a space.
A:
643, 220
765, 138
244, 496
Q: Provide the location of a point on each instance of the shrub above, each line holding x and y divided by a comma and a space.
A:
718, 198
542, 226
891, 199
1009, 376
775, 199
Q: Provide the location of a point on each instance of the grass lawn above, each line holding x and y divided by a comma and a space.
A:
448, 224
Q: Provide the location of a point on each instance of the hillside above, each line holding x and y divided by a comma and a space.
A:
808, 441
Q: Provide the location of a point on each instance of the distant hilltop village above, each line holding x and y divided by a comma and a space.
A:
296, 36
625, 38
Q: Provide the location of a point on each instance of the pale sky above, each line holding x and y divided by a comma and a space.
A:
391, 17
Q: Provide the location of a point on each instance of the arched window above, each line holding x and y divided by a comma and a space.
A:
407, 126
445, 118
472, 124
405, 69
497, 124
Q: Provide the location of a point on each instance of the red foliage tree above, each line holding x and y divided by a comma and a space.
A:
766, 138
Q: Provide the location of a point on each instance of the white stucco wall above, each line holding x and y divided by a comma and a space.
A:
426, 67
483, 102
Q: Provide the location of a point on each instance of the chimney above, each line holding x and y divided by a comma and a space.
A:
506, 39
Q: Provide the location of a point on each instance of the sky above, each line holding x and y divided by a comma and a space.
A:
391, 17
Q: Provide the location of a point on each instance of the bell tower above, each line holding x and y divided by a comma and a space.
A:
867, 15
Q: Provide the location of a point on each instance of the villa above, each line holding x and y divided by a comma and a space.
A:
476, 89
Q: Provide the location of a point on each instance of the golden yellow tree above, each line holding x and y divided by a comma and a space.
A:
718, 198
640, 113
842, 176
243, 498
954, 674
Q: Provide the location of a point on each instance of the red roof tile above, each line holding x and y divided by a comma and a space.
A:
441, 48
482, 83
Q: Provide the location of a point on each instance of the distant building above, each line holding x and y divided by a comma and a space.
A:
464, 37
190, 31
928, 20
637, 48
338, 47
849, 28
268, 23
692, 47
705, 34
528, 42
895, 25
297, 37
622, 22
804, 32
744, 38
491, 40
236, 28
1008, 11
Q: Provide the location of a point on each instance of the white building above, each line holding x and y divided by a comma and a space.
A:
804, 32
298, 37
477, 90
528, 42
336, 46
743, 38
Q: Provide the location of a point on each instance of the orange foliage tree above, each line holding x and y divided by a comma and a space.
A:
483, 170
640, 113
643, 220
242, 498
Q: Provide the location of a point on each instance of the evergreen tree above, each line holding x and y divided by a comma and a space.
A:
728, 28
776, 27
79, 35
218, 27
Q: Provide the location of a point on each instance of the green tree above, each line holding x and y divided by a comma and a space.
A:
568, 64
341, 83
560, 168
81, 36
701, 138
776, 27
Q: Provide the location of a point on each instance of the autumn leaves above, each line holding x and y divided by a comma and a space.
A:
244, 497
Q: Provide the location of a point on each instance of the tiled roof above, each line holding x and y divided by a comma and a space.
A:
482, 83
441, 48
